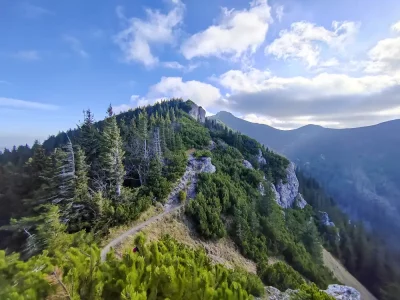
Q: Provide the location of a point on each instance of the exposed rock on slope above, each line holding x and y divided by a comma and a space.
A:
247, 164
342, 292
194, 166
325, 219
339, 292
287, 194
198, 113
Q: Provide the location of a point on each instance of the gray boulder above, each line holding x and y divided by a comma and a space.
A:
325, 219
339, 292
343, 292
247, 164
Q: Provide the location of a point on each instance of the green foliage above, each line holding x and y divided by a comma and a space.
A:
160, 270
206, 213
202, 153
193, 134
311, 292
280, 275
24, 280
182, 196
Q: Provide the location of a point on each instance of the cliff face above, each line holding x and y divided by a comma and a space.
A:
198, 113
287, 194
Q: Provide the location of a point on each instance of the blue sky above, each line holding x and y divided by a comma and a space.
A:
282, 63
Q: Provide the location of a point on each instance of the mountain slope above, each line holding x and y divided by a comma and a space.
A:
358, 166
108, 173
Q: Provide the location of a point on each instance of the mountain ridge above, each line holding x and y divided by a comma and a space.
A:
353, 163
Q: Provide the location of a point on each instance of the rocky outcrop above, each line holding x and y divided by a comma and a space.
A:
261, 160
343, 292
287, 194
275, 294
189, 179
247, 164
300, 202
202, 165
339, 292
261, 189
198, 113
324, 217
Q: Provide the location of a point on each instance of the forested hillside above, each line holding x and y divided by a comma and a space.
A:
357, 166
60, 198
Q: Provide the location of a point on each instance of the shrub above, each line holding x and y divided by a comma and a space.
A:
182, 196
202, 153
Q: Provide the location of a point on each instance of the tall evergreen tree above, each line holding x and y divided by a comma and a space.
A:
112, 156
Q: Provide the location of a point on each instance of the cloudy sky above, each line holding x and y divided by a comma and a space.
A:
285, 63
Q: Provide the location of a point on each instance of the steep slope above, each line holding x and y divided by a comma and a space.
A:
344, 276
357, 166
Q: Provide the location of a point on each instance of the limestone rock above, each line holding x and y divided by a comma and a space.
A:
247, 164
261, 160
275, 294
325, 219
289, 192
198, 113
203, 165
189, 179
343, 292
261, 189
300, 202
339, 292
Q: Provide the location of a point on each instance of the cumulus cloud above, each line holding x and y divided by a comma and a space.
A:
137, 38
303, 41
396, 27
203, 94
22, 104
384, 57
325, 99
235, 34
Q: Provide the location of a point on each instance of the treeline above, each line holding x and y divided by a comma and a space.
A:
363, 253
99, 175
239, 202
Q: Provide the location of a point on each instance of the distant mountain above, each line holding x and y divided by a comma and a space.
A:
360, 167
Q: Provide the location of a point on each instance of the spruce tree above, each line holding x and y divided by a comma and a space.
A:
112, 156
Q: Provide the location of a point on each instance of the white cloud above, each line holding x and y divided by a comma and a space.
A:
303, 41
201, 93
237, 32
396, 27
22, 104
324, 84
279, 12
28, 55
286, 124
252, 80
178, 66
384, 57
75, 45
135, 41
173, 65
